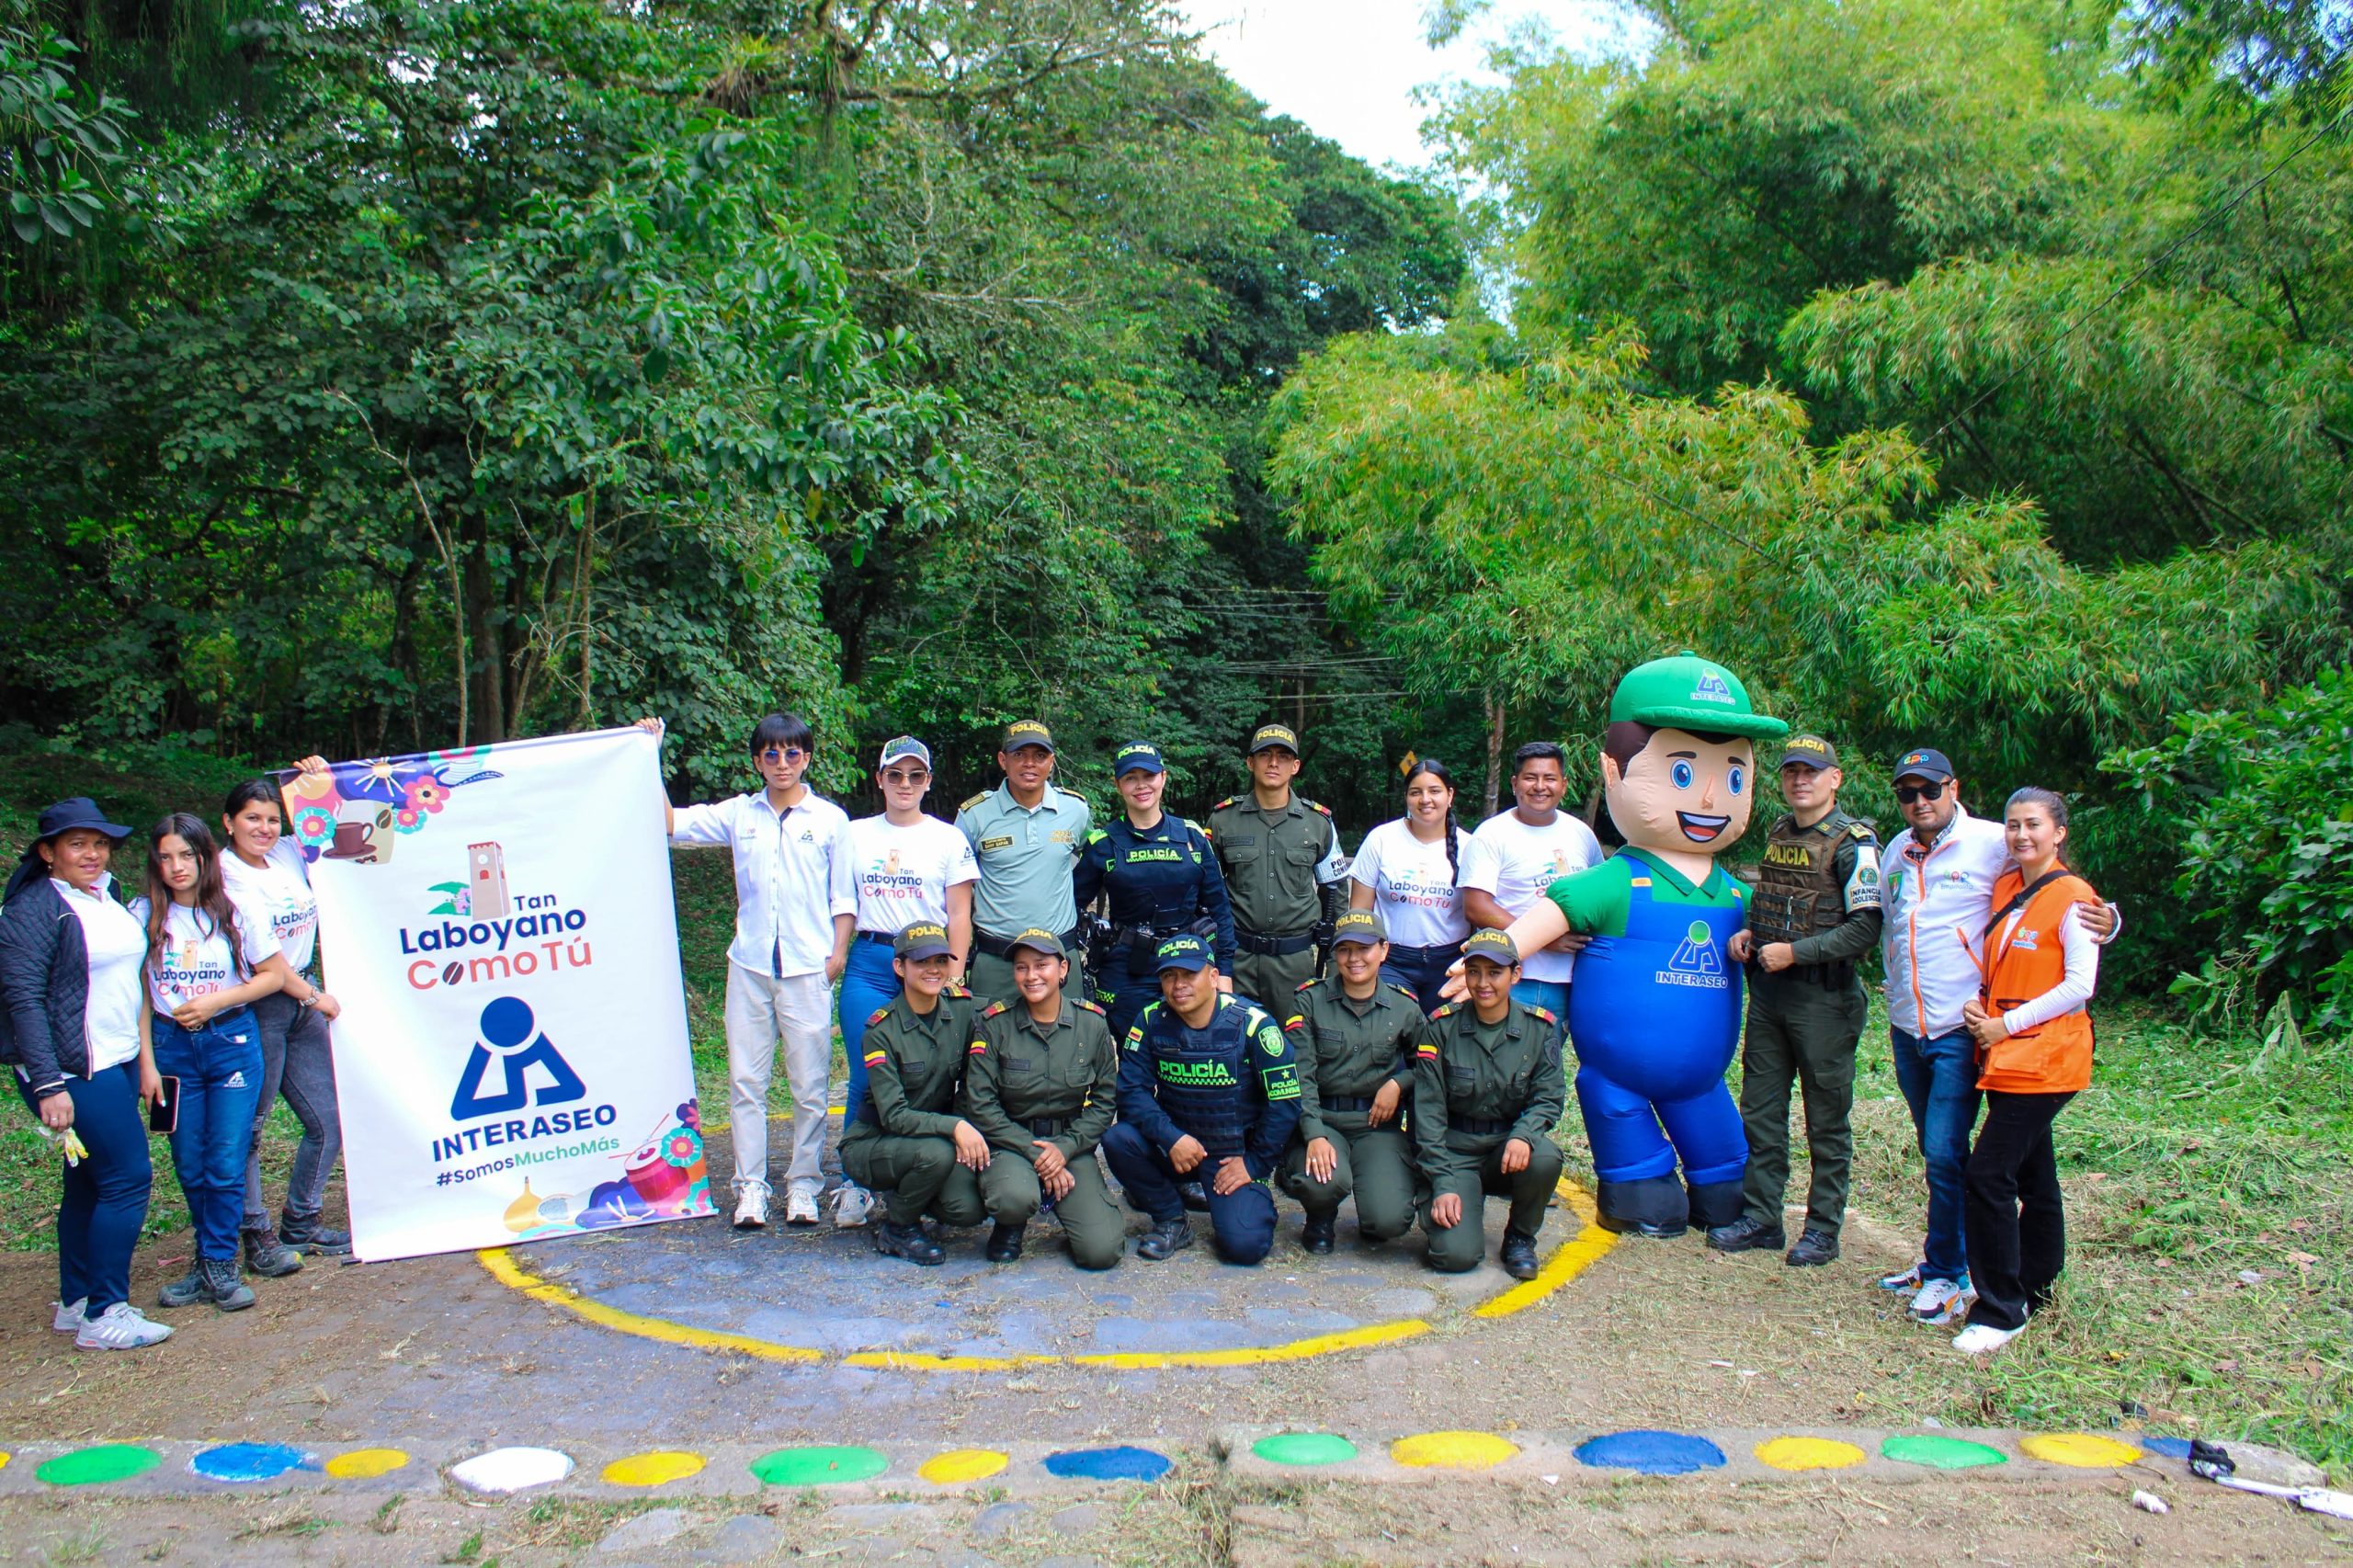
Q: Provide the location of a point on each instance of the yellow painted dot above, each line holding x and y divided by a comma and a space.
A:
3, 1461
957, 1466
362, 1464
2085, 1450
1808, 1453
1452, 1451
653, 1469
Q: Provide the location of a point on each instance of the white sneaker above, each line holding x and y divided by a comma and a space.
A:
1905, 1283
69, 1318
1942, 1301
800, 1205
1984, 1338
852, 1204
751, 1206
120, 1327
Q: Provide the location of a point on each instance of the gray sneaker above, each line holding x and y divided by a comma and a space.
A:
120, 1327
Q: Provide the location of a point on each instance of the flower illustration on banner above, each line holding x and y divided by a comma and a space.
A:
683, 1147
314, 828
351, 810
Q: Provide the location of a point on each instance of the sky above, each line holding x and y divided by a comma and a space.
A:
1346, 69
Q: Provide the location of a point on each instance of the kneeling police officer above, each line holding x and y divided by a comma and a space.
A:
1487, 1090
1040, 1080
1207, 1089
1353, 1038
907, 1143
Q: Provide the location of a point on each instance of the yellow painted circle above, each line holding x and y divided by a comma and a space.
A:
1452, 1451
1808, 1453
363, 1464
957, 1466
653, 1469
3, 1461
2085, 1450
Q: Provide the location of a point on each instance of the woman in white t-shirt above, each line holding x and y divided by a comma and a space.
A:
908, 866
1411, 871
266, 871
209, 959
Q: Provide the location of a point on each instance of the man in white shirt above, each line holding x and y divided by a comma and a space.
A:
1939, 897
796, 905
1516, 855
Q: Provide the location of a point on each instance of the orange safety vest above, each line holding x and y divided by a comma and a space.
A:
2023, 958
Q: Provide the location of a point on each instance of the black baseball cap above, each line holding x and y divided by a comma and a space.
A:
1182, 952
924, 939
1026, 732
1267, 736
77, 811
1038, 939
1137, 756
1924, 762
1358, 925
1492, 943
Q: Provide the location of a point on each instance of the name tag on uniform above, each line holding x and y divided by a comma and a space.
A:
1059, 836
1241, 840
1003, 841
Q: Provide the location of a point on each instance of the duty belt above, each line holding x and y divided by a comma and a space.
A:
1345, 1102
1270, 946
1047, 1126
1477, 1124
1001, 948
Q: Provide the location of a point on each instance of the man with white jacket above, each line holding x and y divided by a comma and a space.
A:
1940, 897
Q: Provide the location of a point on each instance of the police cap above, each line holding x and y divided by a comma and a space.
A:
1358, 925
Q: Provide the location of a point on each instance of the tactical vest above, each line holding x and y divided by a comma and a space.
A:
1798, 890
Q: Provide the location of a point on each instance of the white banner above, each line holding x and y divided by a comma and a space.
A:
511, 1059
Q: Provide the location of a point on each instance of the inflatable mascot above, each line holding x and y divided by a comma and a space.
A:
1654, 1012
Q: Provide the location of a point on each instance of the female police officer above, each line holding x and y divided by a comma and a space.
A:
1162, 879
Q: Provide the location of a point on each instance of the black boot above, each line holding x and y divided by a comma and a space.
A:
1166, 1238
1519, 1256
909, 1241
306, 1235
269, 1257
1317, 1237
184, 1291
1813, 1249
222, 1287
1746, 1234
1005, 1243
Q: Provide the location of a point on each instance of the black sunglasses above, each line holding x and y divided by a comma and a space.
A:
1907, 793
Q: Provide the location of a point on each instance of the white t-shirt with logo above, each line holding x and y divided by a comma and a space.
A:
280, 890
1413, 885
195, 959
1514, 863
903, 873
116, 943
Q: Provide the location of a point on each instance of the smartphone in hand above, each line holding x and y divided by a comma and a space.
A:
163, 1116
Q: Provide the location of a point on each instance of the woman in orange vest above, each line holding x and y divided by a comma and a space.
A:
2034, 1052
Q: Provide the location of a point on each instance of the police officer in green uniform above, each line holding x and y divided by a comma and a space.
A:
1816, 912
1041, 1082
1487, 1090
908, 1142
1026, 834
1353, 1040
1283, 871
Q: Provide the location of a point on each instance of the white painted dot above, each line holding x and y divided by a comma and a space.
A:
511, 1470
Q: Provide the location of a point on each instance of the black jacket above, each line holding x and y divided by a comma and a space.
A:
45, 983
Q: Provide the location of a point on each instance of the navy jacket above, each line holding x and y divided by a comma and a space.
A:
1164, 876
1232, 1084
45, 984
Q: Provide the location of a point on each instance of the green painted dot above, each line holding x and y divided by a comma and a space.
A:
1942, 1453
818, 1467
95, 1467
1304, 1449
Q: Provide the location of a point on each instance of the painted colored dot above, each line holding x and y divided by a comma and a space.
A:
1452, 1451
1809, 1453
1304, 1449
249, 1461
1121, 1463
957, 1466
1941, 1453
655, 1469
818, 1466
2083, 1450
511, 1470
1650, 1453
2172, 1448
97, 1466
366, 1464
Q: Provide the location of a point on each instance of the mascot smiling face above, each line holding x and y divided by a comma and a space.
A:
1677, 793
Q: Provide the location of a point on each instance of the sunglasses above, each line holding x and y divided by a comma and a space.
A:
1907, 793
905, 777
783, 754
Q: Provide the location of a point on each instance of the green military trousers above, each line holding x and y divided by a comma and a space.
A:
1801, 1031
1376, 1163
1270, 980
1097, 1232
920, 1177
1456, 1248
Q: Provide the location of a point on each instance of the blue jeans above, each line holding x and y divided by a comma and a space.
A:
1938, 1077
1421, 970
104, 1201
219, 1070
868, 982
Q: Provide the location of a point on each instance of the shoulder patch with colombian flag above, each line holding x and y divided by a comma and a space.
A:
952, 989
992, 1010
1408, 995
1425, 1052
1544, 1012
875, 1017
1319, 806
1446, 1012
875, 1058
1296, 1021
1094, 1007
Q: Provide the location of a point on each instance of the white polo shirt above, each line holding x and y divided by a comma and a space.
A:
1514, 861
793, 874
118, 945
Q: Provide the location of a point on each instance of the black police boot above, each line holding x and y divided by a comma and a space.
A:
1317, 1237
1195, 1196
1167, 1237
1746, 1234
1654, 1207
909, 1241
1005, 1243
1519, 1256
306, 1235
269, 1257
1813, 1249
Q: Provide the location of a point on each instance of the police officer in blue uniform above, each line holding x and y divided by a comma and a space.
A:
1161, 879
1207, 1090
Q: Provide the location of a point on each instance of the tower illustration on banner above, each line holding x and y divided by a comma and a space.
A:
486, 881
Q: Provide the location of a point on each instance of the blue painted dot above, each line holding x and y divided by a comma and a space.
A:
250, 1461
1650, 1453
2172, 1448
1113, 1465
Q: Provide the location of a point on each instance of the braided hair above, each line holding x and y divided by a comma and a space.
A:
1440, 771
